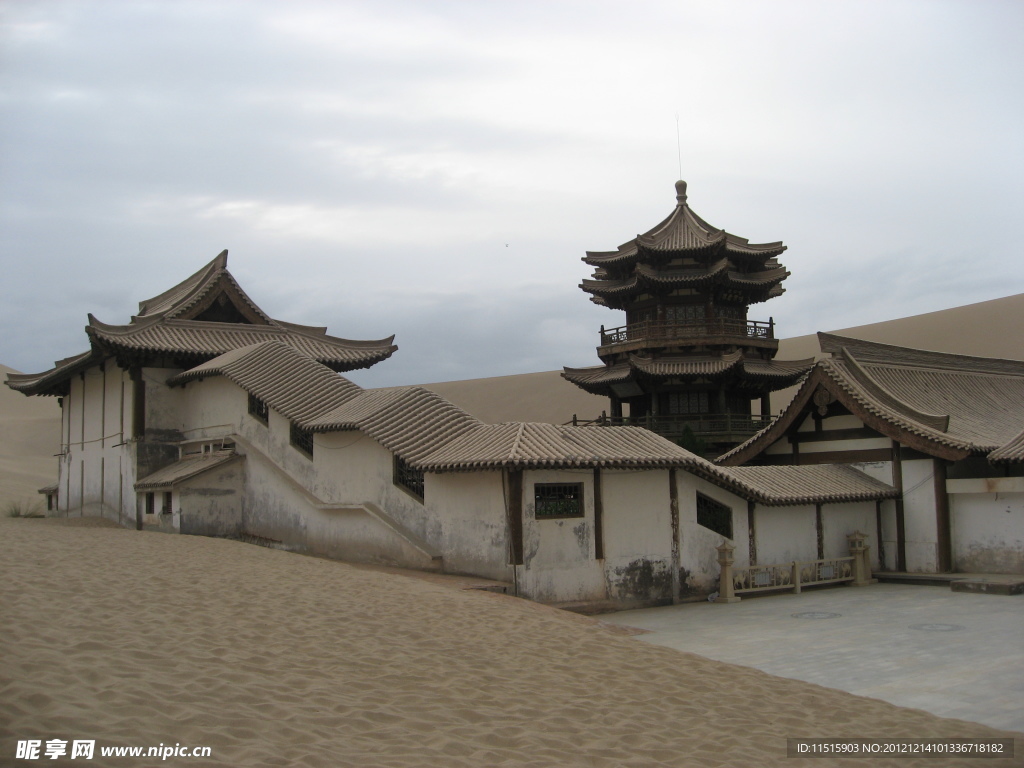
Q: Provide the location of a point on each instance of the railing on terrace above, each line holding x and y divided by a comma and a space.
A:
675, 425
661, 330
795, 575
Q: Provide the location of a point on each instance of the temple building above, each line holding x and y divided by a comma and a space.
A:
120, 422
689, 360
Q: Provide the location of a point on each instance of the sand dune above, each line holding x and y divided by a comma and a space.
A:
29, 438
270, 658
986, 329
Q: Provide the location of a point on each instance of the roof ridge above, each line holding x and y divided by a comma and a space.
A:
519, 436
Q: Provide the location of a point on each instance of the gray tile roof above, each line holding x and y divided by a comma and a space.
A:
184, 468
956, 404
526, 446
167, 325
290, 382
821, 483
434, 435
597, 379
684, 230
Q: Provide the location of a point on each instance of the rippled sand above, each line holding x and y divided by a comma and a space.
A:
273, 659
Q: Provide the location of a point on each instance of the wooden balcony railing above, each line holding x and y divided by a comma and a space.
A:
661, 330
720, 426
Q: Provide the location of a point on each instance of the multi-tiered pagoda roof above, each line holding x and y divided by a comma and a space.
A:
204, 316
686, 287
684, 251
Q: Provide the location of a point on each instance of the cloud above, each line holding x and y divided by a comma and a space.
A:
437, 170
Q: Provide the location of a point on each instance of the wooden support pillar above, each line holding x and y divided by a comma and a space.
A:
766, 405
901, 528
673, 509
616, 407
515, 515
598, 516
878, 535
820, 530
942, 524
138, 404
751, 533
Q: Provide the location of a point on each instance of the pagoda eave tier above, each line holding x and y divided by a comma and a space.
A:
204, 339
757, 286
683, 233
745, 373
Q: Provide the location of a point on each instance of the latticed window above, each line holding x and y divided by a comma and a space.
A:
301, 439
688, 402
150, 503
409, 478
684, 313
258, 408
558, 500
168, 506
714, 515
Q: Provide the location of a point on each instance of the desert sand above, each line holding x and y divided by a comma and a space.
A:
271, 658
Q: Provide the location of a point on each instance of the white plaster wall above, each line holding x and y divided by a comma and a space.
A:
919, 515
558, 555
987, 531
838, 520
785, 534
92, 470
698, 553
211, 408
470, 508
860, 444
886, 557
637, 534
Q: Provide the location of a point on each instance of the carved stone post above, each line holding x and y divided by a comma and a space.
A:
726, 593
861, 563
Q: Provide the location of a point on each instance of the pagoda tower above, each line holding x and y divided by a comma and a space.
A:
689, 361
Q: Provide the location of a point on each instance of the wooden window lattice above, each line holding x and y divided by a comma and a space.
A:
409, 478
558, 500
714, 516
168, 503
258, 408
301, 439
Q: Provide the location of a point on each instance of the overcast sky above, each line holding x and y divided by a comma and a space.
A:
437, 169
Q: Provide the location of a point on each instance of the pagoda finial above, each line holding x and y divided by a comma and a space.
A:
681, 192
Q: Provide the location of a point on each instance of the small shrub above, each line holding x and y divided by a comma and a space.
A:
22, 509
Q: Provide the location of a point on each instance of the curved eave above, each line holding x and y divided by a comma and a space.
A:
874, 416
844, 484
650, 280
53, 382
1010, 453
196, 338
598, 379
186, 289
783, 372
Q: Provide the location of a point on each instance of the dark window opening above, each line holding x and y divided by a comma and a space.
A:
714, 515
685, 403
167, 503
150, 503
409, 478
258, 409
302, 439
554, 500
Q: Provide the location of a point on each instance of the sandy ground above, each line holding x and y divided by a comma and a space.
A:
271, 658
